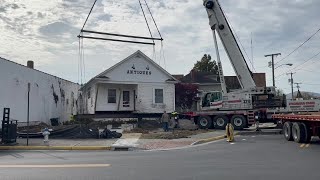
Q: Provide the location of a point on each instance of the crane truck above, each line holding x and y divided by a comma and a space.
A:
240, 107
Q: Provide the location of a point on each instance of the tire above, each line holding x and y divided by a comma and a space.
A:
204, 122
298, 132
239, 122
307, 131
287, 131
220, 121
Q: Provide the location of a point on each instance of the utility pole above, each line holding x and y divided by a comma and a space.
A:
272, 64
298, 87
28, 113
291, 81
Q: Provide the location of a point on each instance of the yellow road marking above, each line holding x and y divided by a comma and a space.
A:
302, 145
307, 145
56, 166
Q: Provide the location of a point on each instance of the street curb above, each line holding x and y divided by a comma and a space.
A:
209, 139
244, 133
236, 134
55, 148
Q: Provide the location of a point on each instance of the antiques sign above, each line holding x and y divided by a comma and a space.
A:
134, 71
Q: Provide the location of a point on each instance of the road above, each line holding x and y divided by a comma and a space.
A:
259, 157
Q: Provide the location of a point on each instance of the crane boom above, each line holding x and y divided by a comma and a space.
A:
219, 23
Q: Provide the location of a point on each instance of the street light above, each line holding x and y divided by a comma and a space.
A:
273, 68
288, 64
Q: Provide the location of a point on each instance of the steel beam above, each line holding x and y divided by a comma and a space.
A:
117, 40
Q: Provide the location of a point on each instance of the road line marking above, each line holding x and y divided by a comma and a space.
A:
55, 166
307, 145
302, 145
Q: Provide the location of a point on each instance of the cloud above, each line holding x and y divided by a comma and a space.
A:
48, 34
56, 29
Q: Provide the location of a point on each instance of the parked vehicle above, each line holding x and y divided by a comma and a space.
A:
299, 127
239, 107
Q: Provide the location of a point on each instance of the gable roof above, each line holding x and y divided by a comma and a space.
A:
128, 58
201, 77
231, 82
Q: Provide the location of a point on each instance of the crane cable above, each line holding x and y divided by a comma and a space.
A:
162, 55
237, 37
145, 18
81, 66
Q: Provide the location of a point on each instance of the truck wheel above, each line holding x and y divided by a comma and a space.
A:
239, 122
298, 132
220, 121
307, 131
204, 122
287, 131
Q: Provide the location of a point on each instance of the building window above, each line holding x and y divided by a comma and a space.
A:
112, 96
158, 96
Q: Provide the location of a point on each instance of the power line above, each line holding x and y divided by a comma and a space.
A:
308, 60
299, 46
301, 64
311, 84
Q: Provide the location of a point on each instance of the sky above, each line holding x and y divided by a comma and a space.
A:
46, 32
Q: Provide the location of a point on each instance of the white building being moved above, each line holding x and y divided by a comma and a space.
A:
136, 84
50, 96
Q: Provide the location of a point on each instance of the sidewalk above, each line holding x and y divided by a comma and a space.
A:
67, 142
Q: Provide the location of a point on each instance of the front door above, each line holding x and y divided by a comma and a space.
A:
126, 100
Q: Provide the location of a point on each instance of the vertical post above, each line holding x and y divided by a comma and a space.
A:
291, 86
28, 114
272, 56
273, 80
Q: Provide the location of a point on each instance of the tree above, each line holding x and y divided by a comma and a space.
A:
185, 95
308, 96
279, 92
206, 65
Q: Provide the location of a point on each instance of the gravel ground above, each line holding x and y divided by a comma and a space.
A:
174, 143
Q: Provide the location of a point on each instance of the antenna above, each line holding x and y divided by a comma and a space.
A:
252, 53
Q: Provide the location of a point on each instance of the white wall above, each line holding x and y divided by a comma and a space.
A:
89, 99
102, 98
145, 98
50, 96
120, 73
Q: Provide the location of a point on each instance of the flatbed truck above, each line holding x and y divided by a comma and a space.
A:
299, 127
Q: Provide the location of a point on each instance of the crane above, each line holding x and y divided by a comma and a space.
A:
249, 96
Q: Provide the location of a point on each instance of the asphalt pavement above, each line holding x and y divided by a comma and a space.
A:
249, 157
